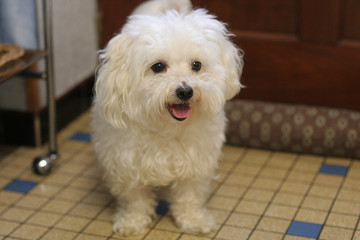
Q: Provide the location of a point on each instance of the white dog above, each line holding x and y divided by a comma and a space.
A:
158, 117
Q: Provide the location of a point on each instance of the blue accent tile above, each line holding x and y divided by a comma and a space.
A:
162, 208
21, 186
81, 137
334, 169
304, 229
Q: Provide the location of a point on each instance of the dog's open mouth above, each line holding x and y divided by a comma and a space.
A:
179, 111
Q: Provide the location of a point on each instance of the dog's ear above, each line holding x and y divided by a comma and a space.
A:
232, 58
112, 81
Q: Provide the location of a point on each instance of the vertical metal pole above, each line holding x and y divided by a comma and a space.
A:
47, 7
42, 165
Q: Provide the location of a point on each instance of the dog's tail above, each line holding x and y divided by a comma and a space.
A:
160, 6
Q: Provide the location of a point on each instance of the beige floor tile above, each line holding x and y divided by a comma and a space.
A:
312, 216
259, 195
333, 233
7, 227
338, 161
282, 160
86, 210
100, 228
295, 187
59, 179
289, 199
89, 237
351, 183
226, 166
58, 234
351, 208
222, 203
238, 179
72, 194
271, 172
304, 177
317, 203
46, 219
328, 180
72, 223
242, 220
193, 237
261, 235
342, 220
167, 223
17, 214
32, 202
251, 207
353, 173
162, 235
58, 206
11, 171
98, 198
266, 183
27, 231
307, 165
247, 169
85, 183
7, 197
233, 191
232, 153
4, 181
321, 191
280, 211
220, 215
233, 233
356, 235
349, 195
106, 214
45, 189
273, 225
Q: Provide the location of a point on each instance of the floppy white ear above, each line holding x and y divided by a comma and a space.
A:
112, 83
232, 58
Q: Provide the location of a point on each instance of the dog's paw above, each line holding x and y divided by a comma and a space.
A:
196, 222
131, 224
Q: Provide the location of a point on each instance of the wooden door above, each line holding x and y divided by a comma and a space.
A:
296, 51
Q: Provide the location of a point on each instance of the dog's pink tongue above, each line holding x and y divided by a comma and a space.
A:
180, 110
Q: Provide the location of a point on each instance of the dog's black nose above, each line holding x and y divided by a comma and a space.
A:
184, 93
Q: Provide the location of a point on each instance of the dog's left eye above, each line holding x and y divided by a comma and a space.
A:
196, 66
158, 67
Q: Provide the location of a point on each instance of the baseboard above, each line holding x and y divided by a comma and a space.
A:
19, 128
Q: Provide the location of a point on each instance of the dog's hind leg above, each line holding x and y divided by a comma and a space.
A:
188, 206
135, 212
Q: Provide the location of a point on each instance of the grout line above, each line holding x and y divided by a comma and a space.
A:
247, 188
334, 200
275, 192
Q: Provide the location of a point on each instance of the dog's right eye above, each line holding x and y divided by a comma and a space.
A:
158, 67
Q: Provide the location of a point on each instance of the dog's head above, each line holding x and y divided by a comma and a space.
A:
169, 67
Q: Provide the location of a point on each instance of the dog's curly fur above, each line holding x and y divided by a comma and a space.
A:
145, 133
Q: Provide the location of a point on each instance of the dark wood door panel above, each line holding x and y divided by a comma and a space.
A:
278, 16
293, 72
296, 51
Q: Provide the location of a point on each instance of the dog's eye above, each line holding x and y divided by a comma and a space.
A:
158, 67
196, 66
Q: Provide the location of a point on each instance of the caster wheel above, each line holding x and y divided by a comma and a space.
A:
43, 165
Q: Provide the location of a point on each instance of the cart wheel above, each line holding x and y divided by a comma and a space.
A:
43, 165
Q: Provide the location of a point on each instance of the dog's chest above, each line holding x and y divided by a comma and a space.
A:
162, 162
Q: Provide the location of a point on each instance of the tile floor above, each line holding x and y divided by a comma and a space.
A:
258, 195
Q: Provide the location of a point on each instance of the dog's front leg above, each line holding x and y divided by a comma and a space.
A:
135, 212
188, 200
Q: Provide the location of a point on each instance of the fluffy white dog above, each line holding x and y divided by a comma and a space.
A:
158, 117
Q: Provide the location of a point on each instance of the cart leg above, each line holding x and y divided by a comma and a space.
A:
42, 165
